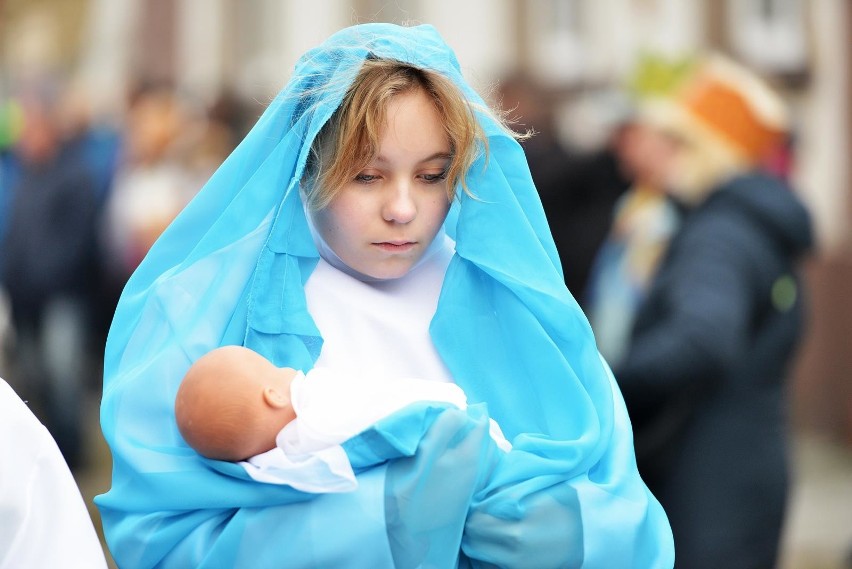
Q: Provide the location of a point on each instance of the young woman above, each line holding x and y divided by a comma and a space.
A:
378, 220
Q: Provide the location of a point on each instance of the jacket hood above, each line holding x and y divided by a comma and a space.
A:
774, 205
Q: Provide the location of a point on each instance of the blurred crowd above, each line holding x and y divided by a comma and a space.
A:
82, 198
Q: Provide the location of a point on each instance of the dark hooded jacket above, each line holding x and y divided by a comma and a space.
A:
48, 249
704, 376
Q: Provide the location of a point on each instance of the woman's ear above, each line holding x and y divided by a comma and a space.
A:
275, 398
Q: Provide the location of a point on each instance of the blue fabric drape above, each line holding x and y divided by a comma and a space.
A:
434, 491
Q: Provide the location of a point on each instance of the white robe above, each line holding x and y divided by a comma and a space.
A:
381, 328
43, 519
377, 357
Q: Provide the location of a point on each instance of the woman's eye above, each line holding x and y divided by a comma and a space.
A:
435, 178
366, 178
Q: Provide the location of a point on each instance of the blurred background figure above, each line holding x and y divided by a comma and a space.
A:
10, 129
578, 187
644, 218
47, 266
170, 147
642, 222
704, 374
10, 126
151, 184
94, 141
213, 133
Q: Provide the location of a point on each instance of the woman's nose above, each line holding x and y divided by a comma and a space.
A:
399, 207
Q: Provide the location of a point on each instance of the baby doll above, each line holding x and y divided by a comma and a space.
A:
233, 402
284, 426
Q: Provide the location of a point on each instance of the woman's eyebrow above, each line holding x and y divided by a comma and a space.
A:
431, 157
438, 156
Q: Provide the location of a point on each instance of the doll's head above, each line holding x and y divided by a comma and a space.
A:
232, 403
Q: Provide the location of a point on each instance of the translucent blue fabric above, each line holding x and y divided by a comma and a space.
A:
434, 491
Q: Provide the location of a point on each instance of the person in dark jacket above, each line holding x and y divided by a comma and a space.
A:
704, 375
47, 261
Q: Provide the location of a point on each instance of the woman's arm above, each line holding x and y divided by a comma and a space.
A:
598, 518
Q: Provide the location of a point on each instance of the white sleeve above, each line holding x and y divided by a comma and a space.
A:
332, 407
44, 519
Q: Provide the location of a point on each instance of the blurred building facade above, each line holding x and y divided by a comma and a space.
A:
577, 47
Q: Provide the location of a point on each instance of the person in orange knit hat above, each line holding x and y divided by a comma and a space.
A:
704, 372
728, 121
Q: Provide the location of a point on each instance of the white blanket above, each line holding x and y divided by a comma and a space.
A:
331, 408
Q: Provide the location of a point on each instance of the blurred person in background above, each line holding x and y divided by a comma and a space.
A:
151, 183
48, 260
643, 219
170, 147
578, 189
704, 373
94, 136
10, 127
207, 137
94, 139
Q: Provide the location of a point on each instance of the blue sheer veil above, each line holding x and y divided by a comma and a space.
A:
231, 270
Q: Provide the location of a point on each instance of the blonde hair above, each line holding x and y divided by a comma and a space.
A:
350, 139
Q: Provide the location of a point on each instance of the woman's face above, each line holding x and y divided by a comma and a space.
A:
381, 222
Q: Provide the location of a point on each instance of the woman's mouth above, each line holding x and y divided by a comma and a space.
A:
395, 246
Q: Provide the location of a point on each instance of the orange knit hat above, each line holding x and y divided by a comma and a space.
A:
737, 106
729, 119
725, 101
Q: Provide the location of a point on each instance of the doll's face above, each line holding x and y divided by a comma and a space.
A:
381, 223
